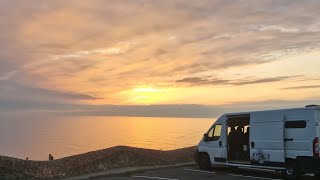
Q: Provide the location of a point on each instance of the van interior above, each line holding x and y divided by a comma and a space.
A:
238, 139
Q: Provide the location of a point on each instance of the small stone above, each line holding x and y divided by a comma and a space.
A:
101, 166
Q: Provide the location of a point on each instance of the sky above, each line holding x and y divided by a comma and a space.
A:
177, 58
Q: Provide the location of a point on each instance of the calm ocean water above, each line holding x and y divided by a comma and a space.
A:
65, 136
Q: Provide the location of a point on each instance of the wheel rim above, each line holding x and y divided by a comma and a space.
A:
289, 171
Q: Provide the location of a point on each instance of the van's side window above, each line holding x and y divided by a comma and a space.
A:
215, 132
296, 124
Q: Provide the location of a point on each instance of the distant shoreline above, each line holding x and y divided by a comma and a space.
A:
95, 161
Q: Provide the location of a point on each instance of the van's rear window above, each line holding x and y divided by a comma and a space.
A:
296, 124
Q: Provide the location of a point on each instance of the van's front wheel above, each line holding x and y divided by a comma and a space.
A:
204, 161
291, 171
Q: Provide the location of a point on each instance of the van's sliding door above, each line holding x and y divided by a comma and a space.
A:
267, 138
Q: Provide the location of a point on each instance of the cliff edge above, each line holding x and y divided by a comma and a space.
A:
92, 162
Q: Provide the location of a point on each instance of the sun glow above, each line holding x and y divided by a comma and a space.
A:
147, 90
148, 95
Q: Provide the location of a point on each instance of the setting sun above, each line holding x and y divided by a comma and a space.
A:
148, 95
147, 90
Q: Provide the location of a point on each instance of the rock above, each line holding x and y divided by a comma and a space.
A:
101, 167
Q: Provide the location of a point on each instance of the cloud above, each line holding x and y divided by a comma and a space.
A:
8, 75
63, 95
80, 54
197, 81
302, 87
201, 81
262, 80
16, 91
88, 49
277, 28
224, 36
166, 110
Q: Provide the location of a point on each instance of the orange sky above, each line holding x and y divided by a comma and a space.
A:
142, 52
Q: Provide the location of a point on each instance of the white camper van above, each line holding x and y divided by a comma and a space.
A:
286, 140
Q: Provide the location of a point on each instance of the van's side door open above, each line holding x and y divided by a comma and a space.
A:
267, 138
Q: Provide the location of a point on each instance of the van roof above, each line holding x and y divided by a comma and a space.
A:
313, 107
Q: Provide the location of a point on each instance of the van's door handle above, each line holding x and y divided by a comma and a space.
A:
220, 143
252, 144
288, 139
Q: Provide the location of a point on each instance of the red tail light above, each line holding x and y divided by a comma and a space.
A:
316, 147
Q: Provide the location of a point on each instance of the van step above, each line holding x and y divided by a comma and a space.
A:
254, 166
239, 162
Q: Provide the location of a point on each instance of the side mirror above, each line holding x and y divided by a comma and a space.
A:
205, 138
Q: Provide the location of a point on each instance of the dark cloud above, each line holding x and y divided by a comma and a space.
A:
302, 87
262, 80
169, 110
269, 104
16, 91
63, 95
14, 105
201, 81
197, 81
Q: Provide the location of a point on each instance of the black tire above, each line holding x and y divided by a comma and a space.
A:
234, 168
204, 161
291, 171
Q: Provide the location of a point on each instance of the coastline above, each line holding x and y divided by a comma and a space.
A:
94, 162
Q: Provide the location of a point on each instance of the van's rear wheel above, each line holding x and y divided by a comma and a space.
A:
291, 171
204, 161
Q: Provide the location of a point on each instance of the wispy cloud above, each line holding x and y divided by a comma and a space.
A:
194, 81
8, 75
263, 80
202, 81
276, 28
302, 87
165, 110
80, 54
63, 95
10, 90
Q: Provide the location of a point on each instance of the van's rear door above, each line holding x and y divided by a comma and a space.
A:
317, 113
267, 138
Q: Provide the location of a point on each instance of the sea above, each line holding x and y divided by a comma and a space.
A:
62, 136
